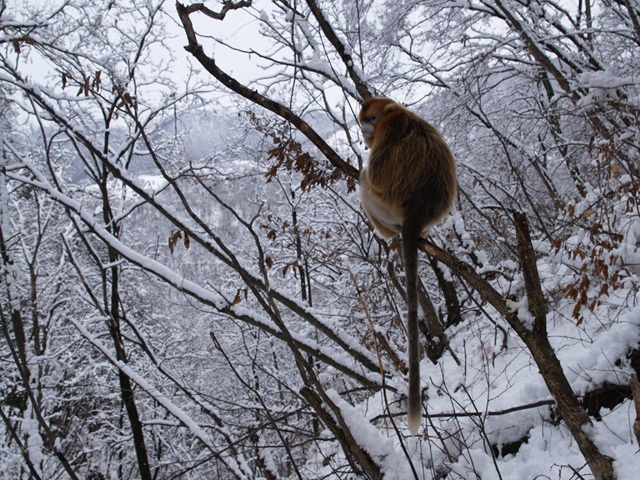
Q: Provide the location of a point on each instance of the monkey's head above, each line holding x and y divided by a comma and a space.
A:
372, 111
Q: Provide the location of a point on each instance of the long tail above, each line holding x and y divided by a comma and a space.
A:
410, 237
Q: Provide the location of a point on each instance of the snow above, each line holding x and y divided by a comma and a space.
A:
603, 79
172, 409
382, 449
516, 139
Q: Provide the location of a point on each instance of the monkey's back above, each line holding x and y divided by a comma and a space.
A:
413, 167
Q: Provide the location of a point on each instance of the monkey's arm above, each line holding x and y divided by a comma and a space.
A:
384, 160
387, 219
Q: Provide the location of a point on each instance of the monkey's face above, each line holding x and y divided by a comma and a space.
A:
372, 112
368, 118
368, 128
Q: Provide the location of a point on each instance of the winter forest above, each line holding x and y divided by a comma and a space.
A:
191, 290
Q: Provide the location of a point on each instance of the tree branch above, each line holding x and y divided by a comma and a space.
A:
536, 339
210, 65
347, 59
226, 7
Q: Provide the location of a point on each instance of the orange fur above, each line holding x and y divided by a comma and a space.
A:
408, 186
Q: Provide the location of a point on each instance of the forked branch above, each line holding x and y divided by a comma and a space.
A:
193, 47
226, 7
347, 59
534, 335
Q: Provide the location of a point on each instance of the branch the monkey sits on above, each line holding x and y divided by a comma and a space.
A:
408, 185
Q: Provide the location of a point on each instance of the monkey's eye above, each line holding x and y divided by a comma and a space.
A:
371, 119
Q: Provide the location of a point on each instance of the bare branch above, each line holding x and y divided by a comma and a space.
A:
226, 7
347, 59
210, 65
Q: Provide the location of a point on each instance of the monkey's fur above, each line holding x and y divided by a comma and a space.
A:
408, 185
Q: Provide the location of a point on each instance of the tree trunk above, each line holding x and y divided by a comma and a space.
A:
537, 341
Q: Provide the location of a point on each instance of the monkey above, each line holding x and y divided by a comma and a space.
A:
408, 186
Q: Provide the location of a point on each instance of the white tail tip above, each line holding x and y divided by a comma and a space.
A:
414, 419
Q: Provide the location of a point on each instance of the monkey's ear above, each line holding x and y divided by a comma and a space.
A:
389, 107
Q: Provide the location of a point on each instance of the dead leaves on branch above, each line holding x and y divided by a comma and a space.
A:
26, 39
238, 298
93, 84
177, 235
597, 256
87, 85
290, 155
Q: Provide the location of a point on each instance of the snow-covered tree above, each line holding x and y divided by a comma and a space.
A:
190, 288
